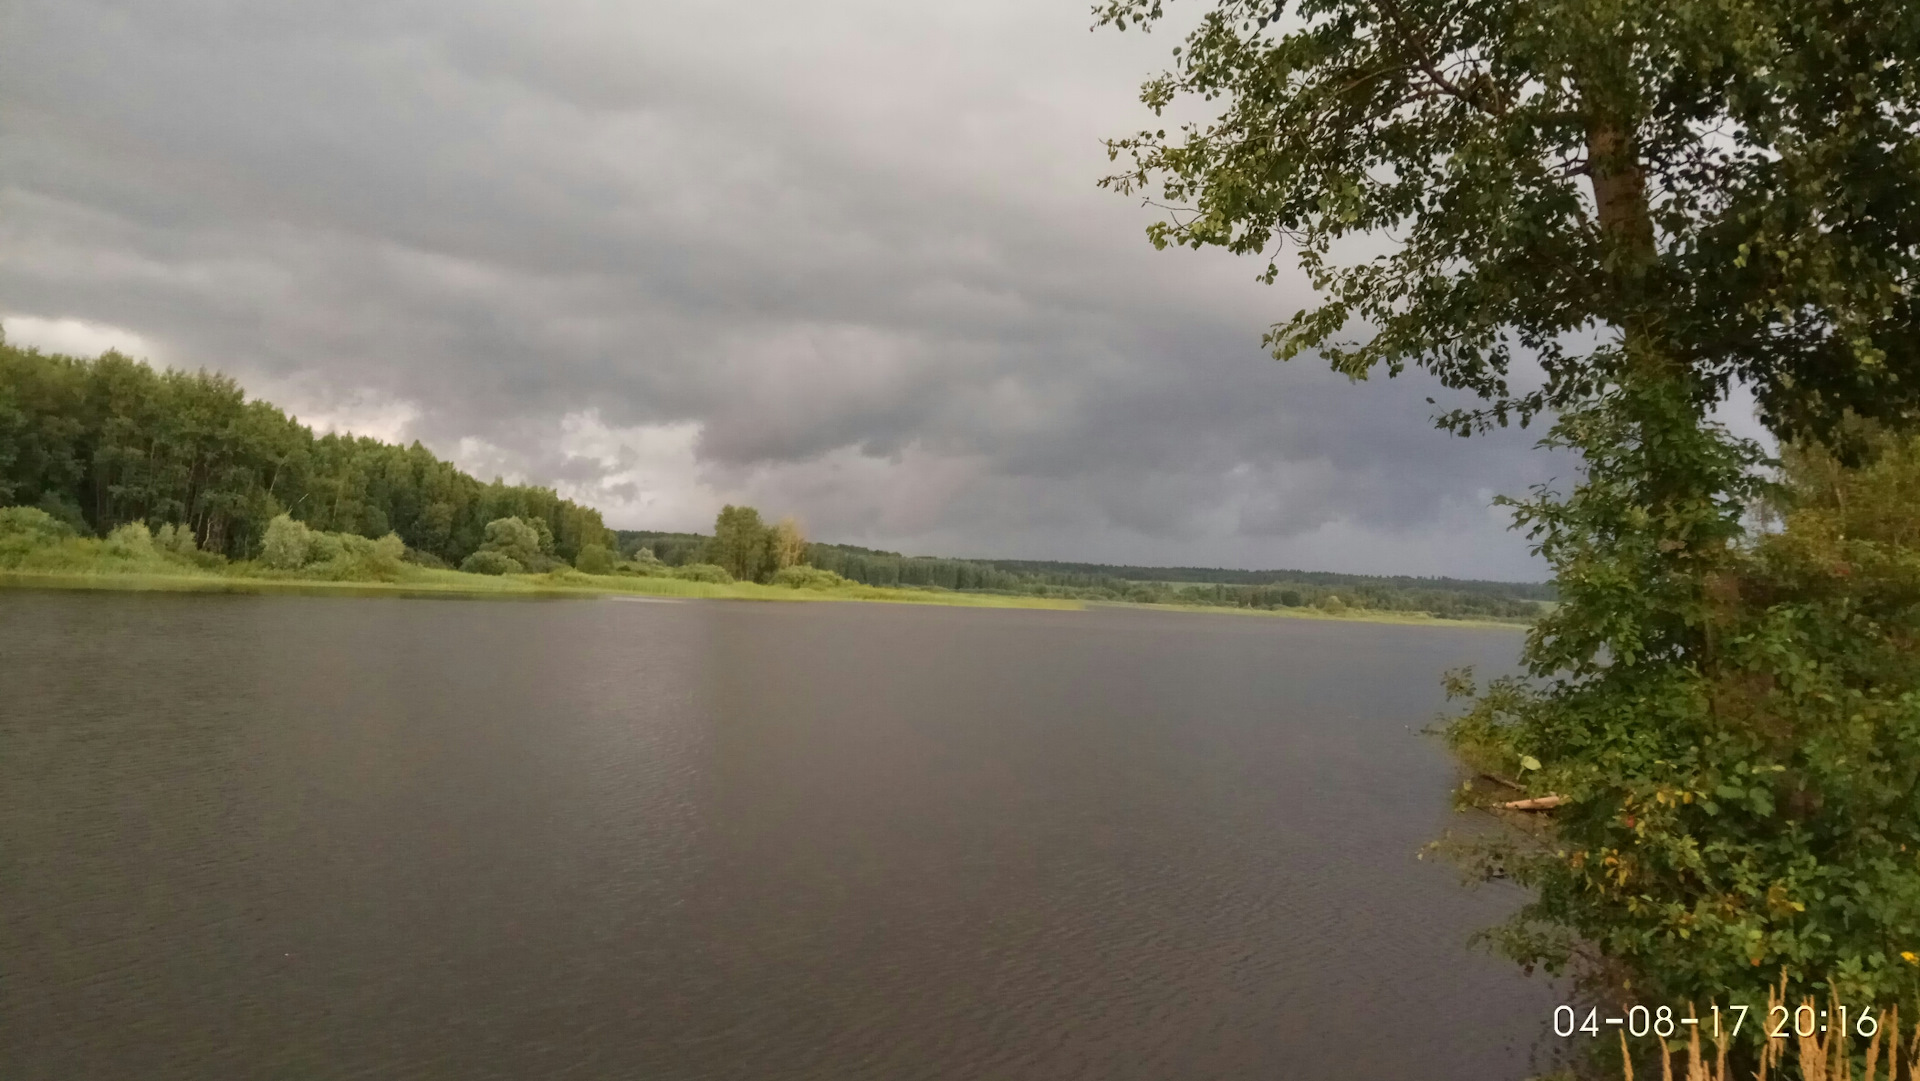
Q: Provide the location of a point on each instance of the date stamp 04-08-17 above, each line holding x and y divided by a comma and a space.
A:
1717, 1023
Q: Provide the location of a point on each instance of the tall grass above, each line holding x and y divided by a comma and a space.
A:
1818, 1056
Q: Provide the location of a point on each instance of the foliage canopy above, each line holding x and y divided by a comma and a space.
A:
594, 559
517, 540
97, 443
1656, 201
749, 549
1735, 184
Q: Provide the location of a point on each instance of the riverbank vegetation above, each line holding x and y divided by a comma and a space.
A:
1613, 217
99, 443
38, 550
112, 470
1193, 587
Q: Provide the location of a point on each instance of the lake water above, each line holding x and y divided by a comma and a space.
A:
290, 837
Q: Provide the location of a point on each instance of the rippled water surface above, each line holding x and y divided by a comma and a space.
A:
284, 837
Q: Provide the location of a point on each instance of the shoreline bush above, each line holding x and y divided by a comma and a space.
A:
802, 577
594, 559
290, 547
27, 529
486, 561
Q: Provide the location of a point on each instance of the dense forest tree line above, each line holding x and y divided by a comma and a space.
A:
1443, 597
99, 443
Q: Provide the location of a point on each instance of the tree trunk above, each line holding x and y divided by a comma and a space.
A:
1626, 230
1620, 195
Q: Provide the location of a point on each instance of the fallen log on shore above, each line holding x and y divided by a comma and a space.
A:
1537, 803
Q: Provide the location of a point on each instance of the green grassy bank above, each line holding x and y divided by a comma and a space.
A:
1349, 615
39, 551
424, 582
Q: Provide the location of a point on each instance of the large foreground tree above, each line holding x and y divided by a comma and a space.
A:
1610, 214
1721, 190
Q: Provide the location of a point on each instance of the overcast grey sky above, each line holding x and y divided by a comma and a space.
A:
843, 260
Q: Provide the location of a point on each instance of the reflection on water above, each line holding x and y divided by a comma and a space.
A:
317, 838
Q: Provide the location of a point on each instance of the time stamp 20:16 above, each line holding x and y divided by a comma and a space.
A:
1664, 1021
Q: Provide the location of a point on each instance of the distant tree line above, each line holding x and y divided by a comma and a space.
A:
1446, 598
744, 546
105, 442
1091, 572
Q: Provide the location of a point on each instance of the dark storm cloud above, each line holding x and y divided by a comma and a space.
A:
845, 260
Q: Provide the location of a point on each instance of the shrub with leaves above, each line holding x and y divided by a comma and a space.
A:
26, 529
131, 541
286, 544
1751, 811
528, 543
786, 545
379, 558
803, 577
428, 560
176, 539
490, 561
513, 538
325, 547
348, 557
594, 559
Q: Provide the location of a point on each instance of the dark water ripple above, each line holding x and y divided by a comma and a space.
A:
255, 837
